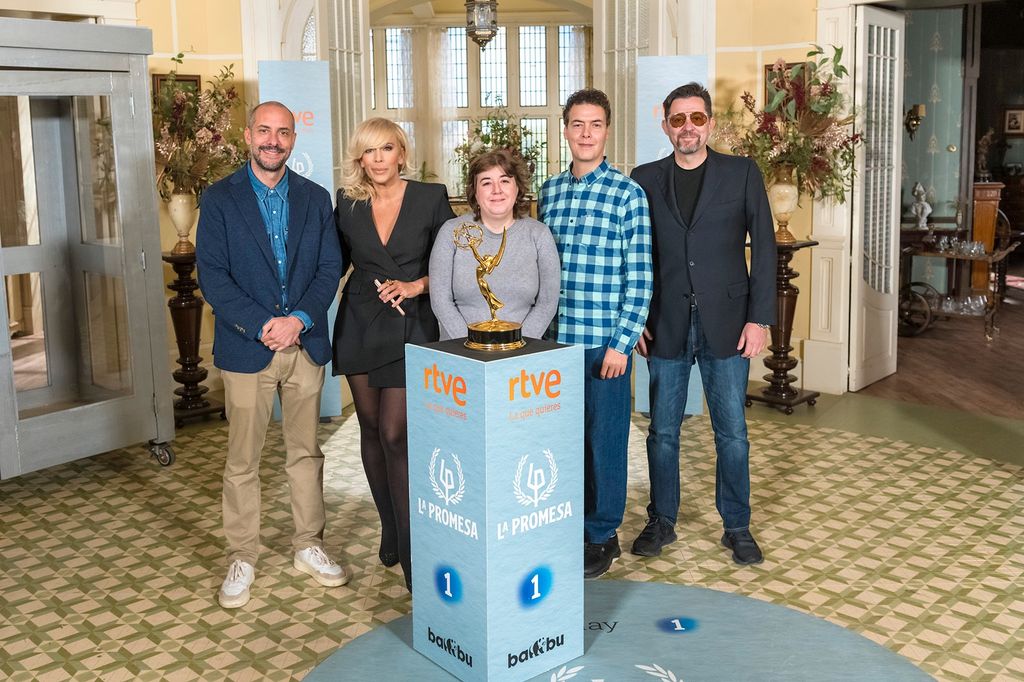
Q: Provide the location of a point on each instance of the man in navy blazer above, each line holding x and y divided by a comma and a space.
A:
707, 308
269, 265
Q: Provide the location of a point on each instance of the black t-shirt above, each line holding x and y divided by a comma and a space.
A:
688, 184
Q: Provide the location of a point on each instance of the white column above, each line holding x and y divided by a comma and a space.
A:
684, 27
621, 29
261, 41
347, 29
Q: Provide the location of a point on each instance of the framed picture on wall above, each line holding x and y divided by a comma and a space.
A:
802, 76
184, 80
1013, 122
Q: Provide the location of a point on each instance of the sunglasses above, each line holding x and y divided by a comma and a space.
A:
698, 118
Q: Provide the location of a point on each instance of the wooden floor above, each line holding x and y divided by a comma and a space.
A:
952, 365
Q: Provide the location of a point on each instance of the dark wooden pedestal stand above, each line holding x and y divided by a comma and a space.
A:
187, 315
779, 393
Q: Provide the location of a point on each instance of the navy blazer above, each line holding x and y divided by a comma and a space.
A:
707, 258
238, 274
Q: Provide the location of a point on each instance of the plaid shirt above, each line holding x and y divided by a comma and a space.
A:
603, 231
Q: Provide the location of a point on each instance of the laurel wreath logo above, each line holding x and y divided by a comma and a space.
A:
655, 670
564, 673
540, 485
446, 489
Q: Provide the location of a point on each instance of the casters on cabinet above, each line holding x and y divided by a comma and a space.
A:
163, 452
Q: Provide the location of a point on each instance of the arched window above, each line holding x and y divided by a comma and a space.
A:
309, 39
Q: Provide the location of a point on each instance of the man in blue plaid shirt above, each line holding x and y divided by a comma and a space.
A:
601, 225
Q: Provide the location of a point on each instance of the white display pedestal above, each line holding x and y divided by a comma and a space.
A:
496, 500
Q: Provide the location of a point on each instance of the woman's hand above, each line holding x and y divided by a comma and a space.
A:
394, 291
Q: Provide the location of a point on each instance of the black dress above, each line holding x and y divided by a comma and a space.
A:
370, 335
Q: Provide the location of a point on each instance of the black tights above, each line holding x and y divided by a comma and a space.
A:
382, 440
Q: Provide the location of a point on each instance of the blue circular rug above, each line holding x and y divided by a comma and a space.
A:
654, 631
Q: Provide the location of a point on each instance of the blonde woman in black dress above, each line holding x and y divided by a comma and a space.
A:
387, 225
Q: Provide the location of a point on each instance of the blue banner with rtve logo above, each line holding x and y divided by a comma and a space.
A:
305, 88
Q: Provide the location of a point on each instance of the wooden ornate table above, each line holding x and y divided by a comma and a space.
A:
187, 315
780, 393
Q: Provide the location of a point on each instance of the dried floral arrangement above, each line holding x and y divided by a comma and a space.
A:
803, 128
196, 144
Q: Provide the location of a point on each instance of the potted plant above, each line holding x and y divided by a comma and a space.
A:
196, 144
499, 129
800, 139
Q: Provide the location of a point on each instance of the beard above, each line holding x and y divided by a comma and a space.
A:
269, 167
689, 145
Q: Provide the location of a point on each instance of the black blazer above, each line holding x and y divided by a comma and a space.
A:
369, 333
707, 258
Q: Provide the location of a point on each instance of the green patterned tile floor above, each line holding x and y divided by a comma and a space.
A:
109, 566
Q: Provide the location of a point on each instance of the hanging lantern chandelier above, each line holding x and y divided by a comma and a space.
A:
482, 20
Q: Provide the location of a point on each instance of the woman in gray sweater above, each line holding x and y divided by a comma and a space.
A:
527, 279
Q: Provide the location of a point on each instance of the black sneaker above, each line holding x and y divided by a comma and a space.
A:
597, 558
744, 548
655, 535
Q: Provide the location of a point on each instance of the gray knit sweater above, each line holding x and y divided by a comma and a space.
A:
527, 280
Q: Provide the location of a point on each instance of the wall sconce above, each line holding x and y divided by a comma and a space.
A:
482, 20
912, 120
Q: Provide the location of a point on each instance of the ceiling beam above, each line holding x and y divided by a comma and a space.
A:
584, 10
388, 8
423, 11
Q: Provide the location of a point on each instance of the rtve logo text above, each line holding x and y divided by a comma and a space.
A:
442, 383
532, 385
524, 385
305, 119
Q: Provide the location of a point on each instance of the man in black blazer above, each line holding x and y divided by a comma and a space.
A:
269, 264
707, 308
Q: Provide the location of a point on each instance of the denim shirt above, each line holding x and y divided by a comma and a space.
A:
273, 203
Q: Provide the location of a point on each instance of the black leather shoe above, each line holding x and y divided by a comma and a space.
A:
744, 548
655, 535
598, 558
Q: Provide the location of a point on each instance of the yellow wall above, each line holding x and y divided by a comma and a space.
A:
210, 35
750, 35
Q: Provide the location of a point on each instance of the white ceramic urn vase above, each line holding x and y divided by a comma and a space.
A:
183, 211
783, 196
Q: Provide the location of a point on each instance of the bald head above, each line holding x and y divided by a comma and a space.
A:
269, 103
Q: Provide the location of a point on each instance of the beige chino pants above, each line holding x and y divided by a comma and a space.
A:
248, 401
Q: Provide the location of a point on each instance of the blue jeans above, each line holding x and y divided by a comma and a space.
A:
606, 409
725, 387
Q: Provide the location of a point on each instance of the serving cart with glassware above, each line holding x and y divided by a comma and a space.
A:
921, 304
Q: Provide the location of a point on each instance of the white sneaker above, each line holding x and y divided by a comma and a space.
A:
315, 562
234, 591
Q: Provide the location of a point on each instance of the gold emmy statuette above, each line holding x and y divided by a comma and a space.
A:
492, 334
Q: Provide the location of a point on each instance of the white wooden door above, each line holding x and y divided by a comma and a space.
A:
878, 98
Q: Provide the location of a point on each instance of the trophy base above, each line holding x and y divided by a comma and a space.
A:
495, 335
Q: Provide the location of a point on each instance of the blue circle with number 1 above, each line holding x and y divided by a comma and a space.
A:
448, 583
535, 586
678, 625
